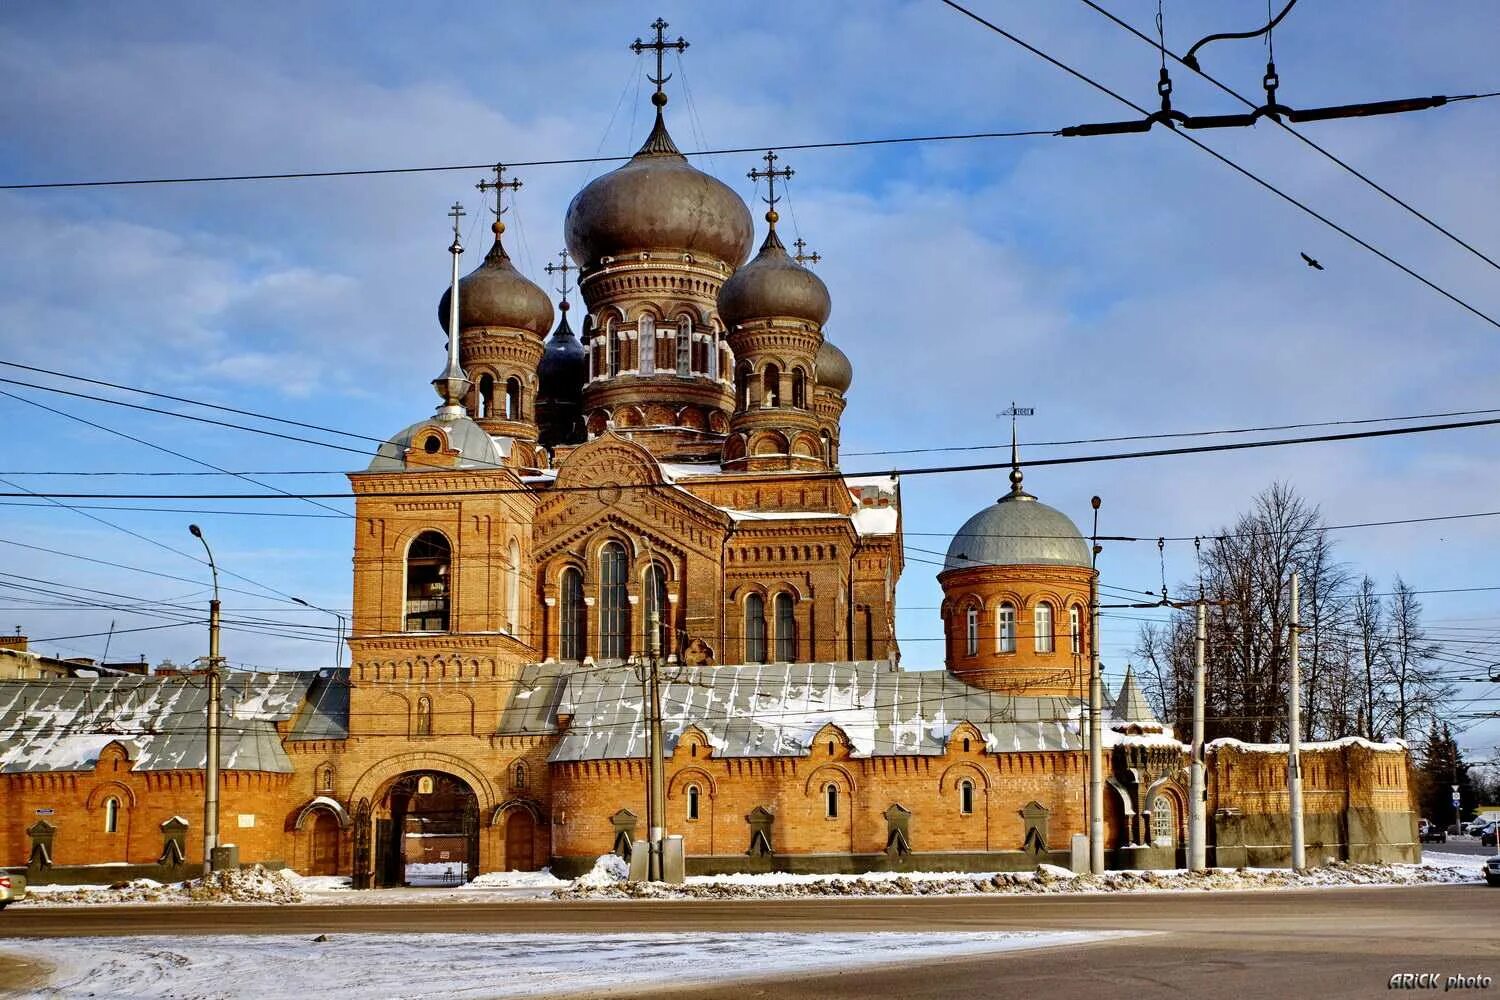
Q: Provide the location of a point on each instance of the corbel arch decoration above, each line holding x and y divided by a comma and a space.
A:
825, 773
954, 773
110, 789
692, 776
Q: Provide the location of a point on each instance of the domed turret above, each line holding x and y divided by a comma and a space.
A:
495, 294
833, 367
560, 377
658, 202
773, 285
1018, 530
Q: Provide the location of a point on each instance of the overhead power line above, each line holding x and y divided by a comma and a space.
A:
1262, 182
560, 162
1189, 61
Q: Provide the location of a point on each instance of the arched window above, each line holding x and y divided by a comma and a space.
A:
770, 391
428, 561
1042, 621
799, 389
486, 394
1162, 820
685, 346
614, 604
742, 387
755, 629
966, 797
591, 347
111, 815
657, 618
513, 589
574, 614
831, 800
518, 776
612, 346
424, 716
325, 778
646, 336
1005, 628
786, 628
692, 801
513, 398
1075, 630
971, 628
716, 363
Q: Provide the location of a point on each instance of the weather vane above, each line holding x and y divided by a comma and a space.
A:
1014, 411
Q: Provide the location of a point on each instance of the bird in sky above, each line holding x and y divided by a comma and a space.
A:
1312, 263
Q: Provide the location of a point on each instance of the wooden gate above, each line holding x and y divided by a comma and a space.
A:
520, 841
325, 844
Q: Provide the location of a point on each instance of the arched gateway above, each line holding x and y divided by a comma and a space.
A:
426, 830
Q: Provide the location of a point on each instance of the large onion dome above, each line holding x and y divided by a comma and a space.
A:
496, 294
773, 284
1018, 530
658, 202
564, 366
833, 368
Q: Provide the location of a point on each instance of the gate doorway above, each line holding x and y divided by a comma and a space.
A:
325, 844
429, 833
520, 841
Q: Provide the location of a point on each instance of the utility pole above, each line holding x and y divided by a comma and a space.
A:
211, 751
648, 673
1096, 710
1294, 731
1197, 806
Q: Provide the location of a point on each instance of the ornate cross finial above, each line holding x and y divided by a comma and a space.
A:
499, 185
661, 45
804, 258
770, 175
455, 213
564, 266
1013, 412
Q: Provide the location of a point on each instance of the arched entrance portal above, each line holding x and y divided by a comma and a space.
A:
520, 841
324, 854
427, 831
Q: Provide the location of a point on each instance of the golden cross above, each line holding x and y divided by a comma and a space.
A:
804, 258
499, 185
661, 45
769, 175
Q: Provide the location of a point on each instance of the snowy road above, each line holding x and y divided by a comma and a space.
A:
454, 966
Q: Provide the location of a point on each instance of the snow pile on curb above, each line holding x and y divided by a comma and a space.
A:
517, 880
609, 871
248, 885
1046, 880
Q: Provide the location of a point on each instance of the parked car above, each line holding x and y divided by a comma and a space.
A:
1492, 871
1487, 835
12, 888
1474, 826
1429, 832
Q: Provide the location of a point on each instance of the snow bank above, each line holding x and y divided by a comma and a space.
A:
518, 880
610, 870
1045, 880
248, 885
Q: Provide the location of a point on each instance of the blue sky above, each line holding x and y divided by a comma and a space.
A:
1126, 285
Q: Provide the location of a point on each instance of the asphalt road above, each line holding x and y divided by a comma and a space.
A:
1330, 943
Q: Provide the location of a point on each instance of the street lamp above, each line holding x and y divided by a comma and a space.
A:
338, 652
211, 754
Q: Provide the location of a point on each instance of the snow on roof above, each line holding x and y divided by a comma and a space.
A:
63, 724
1393, 746
783, 515
776, 710
877, 520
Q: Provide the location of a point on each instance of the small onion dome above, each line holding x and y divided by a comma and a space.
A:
564, 366
496, 294
833, 367
1018, 530
658, 202
773, 284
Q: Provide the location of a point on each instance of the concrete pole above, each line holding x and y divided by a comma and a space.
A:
1198, 794
211, 766
1096, 713
658, 779
1294, 731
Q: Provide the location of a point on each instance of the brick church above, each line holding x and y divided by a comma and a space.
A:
664, 482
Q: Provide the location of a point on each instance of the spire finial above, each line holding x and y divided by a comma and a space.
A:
453, 385
770, 176
804, 258
499, 185
661, 45
1013, 412
564, 266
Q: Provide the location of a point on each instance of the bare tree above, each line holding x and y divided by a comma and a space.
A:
1415, 687
1370, 634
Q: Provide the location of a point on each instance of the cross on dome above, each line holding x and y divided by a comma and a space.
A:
499, 185
804, 258
770, 175
456, 213
661, 45
563, 267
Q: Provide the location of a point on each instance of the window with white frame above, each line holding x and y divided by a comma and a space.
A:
1075, 629
1005, 629
685, 346
1042, 621
647, 339
971, 627
111, 815
692, 801
1162, 820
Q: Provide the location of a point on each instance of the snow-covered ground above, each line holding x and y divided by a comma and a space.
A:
358, 966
